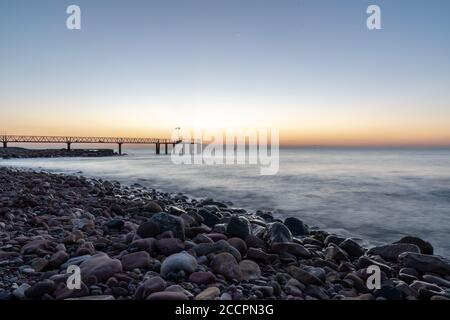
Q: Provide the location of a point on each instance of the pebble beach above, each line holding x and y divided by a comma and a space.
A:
132, 242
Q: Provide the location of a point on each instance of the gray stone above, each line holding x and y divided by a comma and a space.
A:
425, 263
182, 261
226, 265
249, 270
392, 251
238, 227
296, 226
101, 266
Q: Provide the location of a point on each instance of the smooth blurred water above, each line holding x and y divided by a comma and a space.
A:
374, 194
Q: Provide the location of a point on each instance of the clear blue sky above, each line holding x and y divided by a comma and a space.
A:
310, 67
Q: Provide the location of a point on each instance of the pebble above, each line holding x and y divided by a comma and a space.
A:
149, 286
425, 263
202, 278
136, 260
101, 266
278, 232
249, 270
424, 246
351, 247
209, 293
296, 226
238, 227
178, 262
168, 222
226, 265
392, 251
167, 295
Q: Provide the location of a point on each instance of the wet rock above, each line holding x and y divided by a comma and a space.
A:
424, 246
296, 226
303, 276
436, 280
333, 239
335, 253
210, 293
210, 219
178, 262
238, 227
392, 251
249, 270
153, 207
278, 232
136, 260
425, 263
212, 202
351, 247
226, 265
290, 247
101, 266
167, 222
364, 262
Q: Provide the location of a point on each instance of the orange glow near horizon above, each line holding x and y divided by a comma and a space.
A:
299, 126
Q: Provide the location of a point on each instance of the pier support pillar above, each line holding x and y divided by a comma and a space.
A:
167, 151
5, 144
120, 148
158, 148
68, 146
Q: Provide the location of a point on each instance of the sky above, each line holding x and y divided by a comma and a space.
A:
310, 68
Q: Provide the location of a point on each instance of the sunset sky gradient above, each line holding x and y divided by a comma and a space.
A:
310, 68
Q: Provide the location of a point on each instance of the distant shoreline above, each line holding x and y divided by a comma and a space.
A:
18, 153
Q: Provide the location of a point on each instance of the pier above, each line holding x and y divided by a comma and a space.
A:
69, 140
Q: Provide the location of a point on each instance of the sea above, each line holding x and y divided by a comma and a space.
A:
375, 195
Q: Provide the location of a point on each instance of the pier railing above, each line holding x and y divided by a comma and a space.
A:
69, 140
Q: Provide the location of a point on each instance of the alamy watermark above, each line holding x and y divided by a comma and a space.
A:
73, 21
74, 280
259, 147
374, 279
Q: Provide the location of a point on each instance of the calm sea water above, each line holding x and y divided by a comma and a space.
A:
372, 194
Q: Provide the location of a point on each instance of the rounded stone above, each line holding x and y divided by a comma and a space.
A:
101, 266
225, 264
249, 270
210, 293
238, 227
296, 226
182, 261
